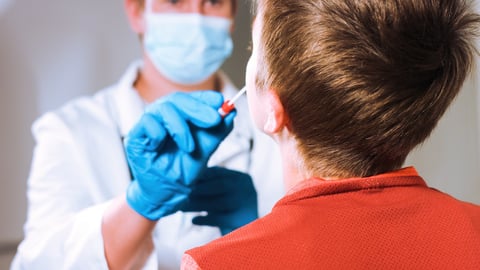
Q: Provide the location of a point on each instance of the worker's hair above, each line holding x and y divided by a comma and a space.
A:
364, 81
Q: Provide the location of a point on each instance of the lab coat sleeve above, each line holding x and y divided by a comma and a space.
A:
63, 227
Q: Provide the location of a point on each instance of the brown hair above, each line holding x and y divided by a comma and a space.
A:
364, 81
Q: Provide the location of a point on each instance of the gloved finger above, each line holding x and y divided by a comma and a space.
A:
207, 221
216, 100
211, 98
228, 119
148, 134
176, 126
212, 220
196, 111
221, 200
197, 108
221, 195
226, 219
213, 187
218, 181
211, 203
225, 231
220, 172
225, 126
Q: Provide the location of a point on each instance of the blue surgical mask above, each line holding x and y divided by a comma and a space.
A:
187, 48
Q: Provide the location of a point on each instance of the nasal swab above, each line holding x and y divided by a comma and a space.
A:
228, 105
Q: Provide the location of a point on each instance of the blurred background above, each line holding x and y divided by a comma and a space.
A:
54, 50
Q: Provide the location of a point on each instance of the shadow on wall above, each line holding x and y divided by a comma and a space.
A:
17, 110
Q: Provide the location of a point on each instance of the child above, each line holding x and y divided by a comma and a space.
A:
347, 88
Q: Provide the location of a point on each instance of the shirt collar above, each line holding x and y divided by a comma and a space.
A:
317, 187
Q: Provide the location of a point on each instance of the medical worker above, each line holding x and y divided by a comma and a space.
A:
88, 209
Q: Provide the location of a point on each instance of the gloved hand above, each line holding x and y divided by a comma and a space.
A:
228, 197
169, 147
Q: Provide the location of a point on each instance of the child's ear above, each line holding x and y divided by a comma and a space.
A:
276, 117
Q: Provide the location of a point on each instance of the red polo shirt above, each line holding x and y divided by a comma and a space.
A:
388, 221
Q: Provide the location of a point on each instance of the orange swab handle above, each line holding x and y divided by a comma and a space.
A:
226, 108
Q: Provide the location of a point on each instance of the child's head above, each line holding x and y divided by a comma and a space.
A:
363, 81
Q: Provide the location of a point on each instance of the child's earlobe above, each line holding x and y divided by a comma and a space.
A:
276, 118
271, 124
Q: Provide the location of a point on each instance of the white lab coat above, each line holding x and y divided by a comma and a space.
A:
79, 166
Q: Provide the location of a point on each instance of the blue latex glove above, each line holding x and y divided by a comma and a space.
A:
228, 197
169, 147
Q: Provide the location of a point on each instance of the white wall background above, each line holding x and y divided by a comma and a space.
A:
54, 50
449, 159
